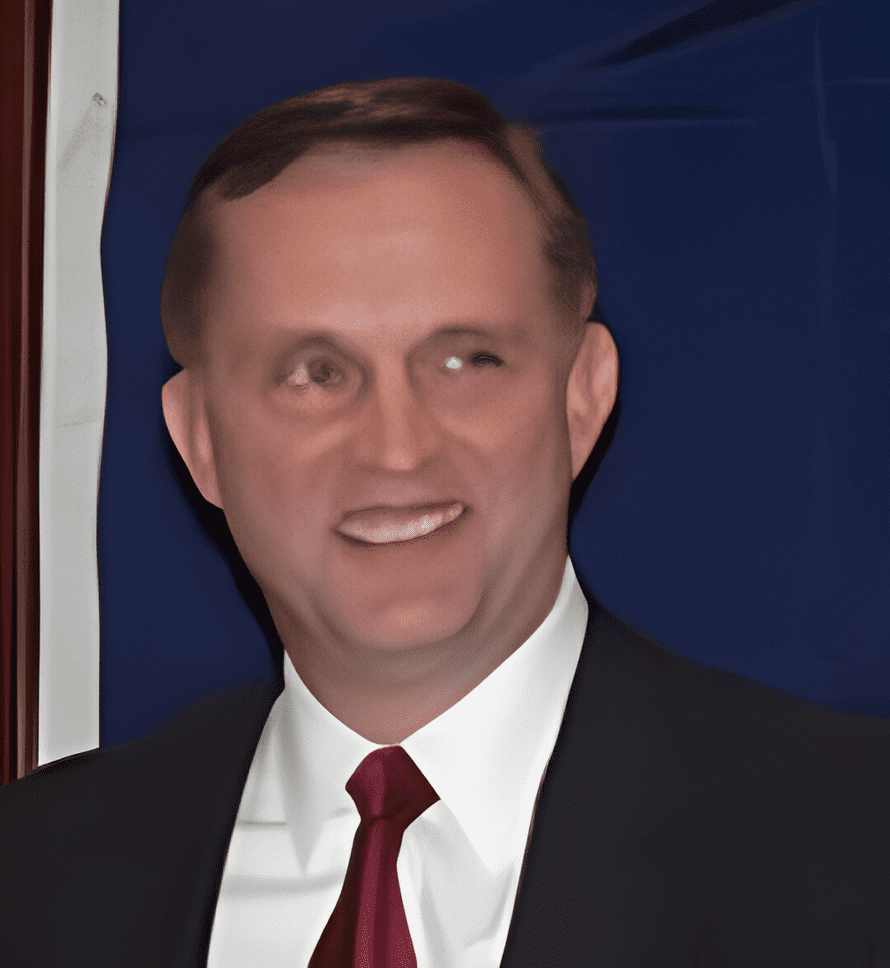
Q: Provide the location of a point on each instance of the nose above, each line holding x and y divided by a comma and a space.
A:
397, 432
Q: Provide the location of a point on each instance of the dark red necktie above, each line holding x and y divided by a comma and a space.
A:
367, 928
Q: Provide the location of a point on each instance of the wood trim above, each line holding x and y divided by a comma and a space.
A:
25, 33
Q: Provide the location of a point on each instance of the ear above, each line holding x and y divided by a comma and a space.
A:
590, 392
186, 417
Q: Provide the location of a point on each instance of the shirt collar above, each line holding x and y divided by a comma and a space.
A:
484, 756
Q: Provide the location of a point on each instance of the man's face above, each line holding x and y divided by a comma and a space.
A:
381, 359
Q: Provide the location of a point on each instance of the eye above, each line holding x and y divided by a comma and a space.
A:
320, 372
479, 360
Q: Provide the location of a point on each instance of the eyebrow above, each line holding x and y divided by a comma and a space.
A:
292, 342
508, 333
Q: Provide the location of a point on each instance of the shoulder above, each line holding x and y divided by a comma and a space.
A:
624, 648
777, 804
73, 833
101, 786
737, 725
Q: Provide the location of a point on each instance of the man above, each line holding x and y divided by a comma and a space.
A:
379, 296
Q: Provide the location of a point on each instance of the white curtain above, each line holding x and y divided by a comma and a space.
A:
80, 140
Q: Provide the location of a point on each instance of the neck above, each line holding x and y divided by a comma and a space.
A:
385, 695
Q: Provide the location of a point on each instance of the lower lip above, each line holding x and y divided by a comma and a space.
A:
424, 539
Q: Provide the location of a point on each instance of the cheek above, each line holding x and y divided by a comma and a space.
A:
268, 492
527, 459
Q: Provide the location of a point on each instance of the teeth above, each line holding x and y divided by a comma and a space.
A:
384, 526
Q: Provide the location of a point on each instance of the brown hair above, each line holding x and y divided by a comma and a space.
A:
382, 114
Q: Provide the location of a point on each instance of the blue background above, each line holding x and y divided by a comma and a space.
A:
732, 160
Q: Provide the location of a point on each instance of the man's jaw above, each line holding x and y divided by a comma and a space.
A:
389, 524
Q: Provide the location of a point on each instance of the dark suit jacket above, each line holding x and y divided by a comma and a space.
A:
688, 817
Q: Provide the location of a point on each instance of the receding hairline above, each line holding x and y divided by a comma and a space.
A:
513, 151
200, 225
358, 156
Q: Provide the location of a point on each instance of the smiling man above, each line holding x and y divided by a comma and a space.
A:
379, 294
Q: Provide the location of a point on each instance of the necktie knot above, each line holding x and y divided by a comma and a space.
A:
388, 785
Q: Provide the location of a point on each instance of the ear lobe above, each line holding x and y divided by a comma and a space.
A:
590, 392
186, 419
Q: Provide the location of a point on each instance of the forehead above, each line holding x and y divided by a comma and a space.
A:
436, 233
449, 185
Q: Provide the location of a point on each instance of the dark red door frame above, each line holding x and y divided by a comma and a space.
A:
24, 63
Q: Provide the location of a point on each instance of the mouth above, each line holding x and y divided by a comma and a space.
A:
389, 525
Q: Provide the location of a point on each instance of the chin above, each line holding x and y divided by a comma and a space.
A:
406, 626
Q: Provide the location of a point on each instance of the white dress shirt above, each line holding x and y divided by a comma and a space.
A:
460, 861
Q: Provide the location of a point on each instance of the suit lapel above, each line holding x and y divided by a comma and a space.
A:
205, 760
528, 943
594, 877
